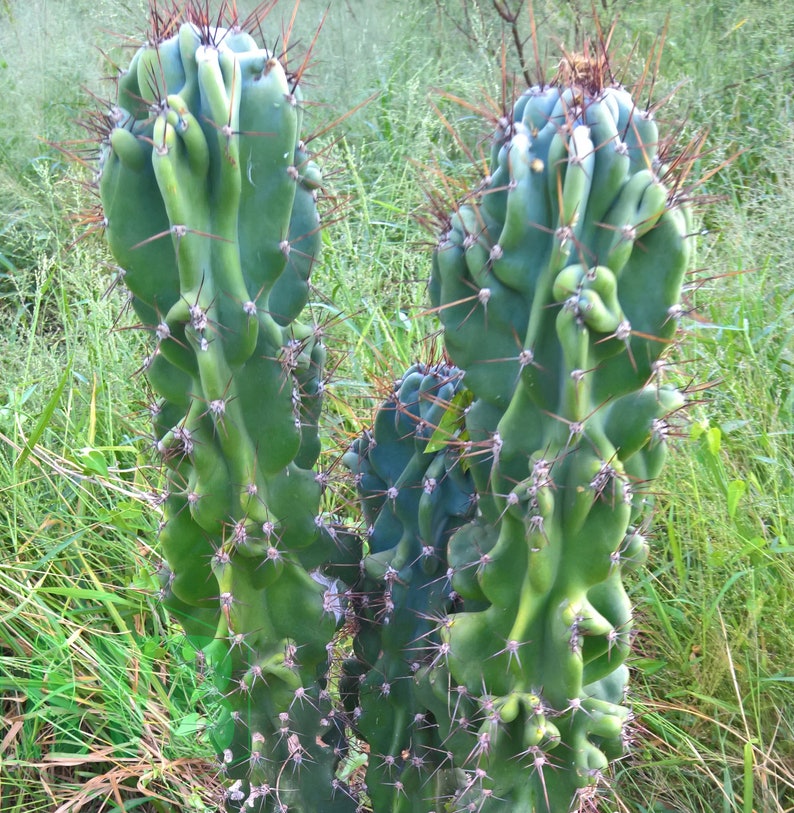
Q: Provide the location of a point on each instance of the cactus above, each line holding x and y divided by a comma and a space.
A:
210, 204
559, 285
504, 493
414, 493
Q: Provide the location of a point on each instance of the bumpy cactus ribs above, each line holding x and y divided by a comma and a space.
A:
210, 204
415, 493
559, 285
504, 492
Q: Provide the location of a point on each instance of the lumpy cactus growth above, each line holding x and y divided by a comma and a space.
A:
210, 205
559, 285
415, 492
504, 491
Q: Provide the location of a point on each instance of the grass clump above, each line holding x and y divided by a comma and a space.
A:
99, 710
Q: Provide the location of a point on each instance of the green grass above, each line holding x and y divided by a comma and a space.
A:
100, 704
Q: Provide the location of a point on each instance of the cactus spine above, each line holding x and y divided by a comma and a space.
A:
210, 203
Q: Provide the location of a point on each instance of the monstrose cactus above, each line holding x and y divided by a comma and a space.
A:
559, 284
415, 492
504, 492
210, 206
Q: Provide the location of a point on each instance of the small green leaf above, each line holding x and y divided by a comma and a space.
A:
153, 649
713, 440
717, 558
188, 653
755, 546
93, 462
84, 593
698, 429
736, 490
190, 725
451, 424
354, 761
44, 418
648, 666
749, 777
780, 545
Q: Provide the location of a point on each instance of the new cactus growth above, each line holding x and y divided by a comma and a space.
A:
559, 284
414, 493
210, 204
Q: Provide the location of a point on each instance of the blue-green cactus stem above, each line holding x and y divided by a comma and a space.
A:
414, 497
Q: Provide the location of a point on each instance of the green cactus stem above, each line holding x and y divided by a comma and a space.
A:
559, 286
505, 493
210, 204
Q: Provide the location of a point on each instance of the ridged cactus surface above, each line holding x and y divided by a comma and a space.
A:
210, 206
415, 492
559, 285
505, 493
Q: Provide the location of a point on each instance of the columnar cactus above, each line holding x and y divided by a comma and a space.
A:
559, 286
210, 205
504, 497
415, 492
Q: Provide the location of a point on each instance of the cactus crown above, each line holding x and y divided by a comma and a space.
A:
588, 70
